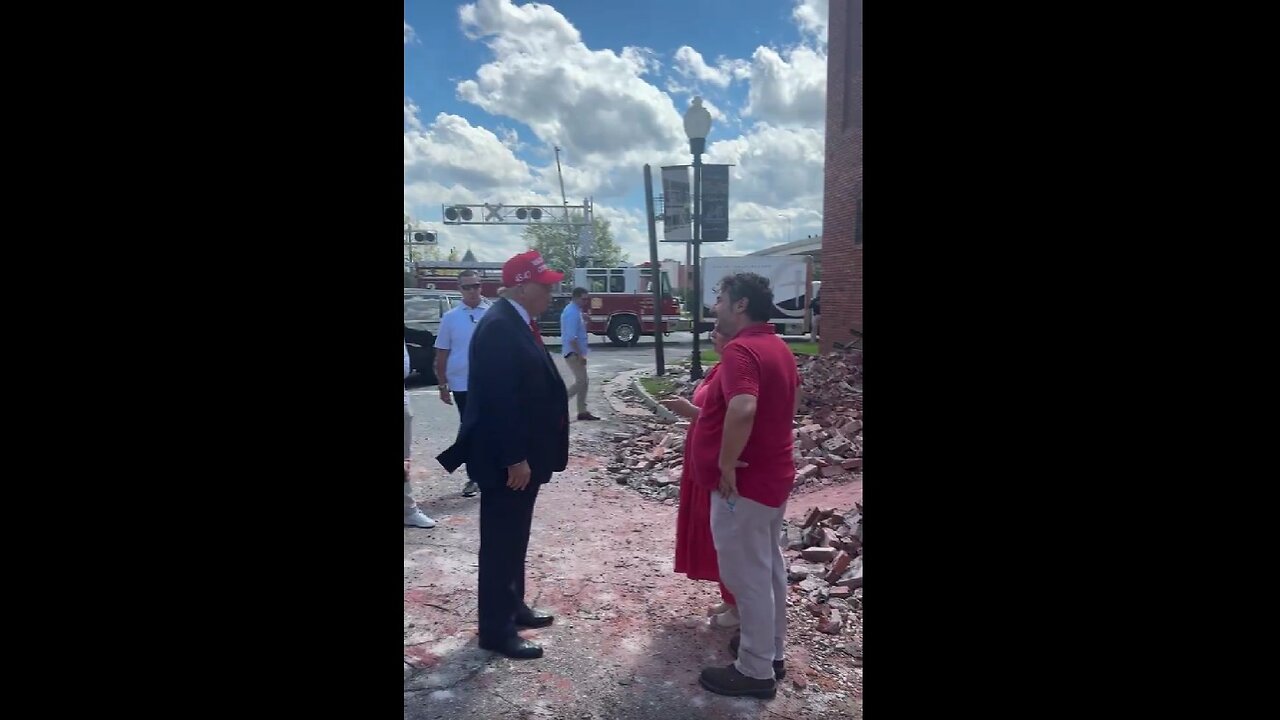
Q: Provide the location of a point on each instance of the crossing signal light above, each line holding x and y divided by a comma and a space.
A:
455, 213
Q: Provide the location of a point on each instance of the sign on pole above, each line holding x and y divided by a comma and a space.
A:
715, 203
677, 221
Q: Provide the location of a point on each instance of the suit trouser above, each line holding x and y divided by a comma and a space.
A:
752, 567
505, 518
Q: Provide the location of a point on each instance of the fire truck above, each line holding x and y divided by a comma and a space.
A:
621, 297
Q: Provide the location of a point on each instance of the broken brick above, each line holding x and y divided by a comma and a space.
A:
838, 566
800, 571
841, 592
812, 584
812, 517
819, 554
832, 624
837, 445
832, 471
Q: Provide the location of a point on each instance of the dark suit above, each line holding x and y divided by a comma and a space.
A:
517, 409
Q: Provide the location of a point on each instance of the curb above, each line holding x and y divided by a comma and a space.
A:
616, 385
663, 413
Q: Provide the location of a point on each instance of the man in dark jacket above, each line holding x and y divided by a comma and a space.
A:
514, 435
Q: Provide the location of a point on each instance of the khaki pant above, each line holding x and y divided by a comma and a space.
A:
752, 567
409, 505
578, 365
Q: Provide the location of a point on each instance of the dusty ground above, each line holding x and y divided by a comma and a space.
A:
630, 635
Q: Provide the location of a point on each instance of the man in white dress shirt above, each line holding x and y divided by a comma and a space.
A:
452, 346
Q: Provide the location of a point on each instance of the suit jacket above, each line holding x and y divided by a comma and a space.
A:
517, 404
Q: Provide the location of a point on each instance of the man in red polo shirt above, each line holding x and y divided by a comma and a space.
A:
742, 449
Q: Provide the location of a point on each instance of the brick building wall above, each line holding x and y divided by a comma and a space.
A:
842, 176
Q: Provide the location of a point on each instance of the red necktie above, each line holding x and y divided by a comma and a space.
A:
537, 332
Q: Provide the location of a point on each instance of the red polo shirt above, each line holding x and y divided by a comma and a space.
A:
757, 363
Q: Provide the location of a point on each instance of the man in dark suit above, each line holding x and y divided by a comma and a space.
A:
514, 435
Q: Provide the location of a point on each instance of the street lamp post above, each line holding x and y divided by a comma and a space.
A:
697, 124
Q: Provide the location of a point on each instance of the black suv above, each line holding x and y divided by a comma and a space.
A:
422, 312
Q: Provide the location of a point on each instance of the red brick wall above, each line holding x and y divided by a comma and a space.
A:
842, 191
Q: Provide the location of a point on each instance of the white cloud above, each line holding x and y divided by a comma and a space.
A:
630, 230
812, 17
606, 109
773, 165
451, 150
531, 27
409, 35
510, 137
675, 88
689, 63
411, 120
788, 88
594, 103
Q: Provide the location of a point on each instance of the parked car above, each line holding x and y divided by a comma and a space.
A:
422, 312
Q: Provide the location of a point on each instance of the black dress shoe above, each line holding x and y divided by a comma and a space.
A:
533, 619
779, 666
728, 681
516, 648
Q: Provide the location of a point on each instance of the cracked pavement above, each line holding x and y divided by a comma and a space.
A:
630, 635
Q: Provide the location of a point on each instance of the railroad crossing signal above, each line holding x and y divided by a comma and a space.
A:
503, 214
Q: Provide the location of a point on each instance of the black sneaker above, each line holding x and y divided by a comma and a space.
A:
728, 681
470, 489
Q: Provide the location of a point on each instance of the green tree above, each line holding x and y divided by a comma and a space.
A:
559, 244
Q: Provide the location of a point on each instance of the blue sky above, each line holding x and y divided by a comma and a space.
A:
491, 86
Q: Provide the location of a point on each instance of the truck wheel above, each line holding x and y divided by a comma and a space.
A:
624, 331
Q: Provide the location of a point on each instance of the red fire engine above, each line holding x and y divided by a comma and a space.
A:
621, 297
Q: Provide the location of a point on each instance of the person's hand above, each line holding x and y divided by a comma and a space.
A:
729, 480
680, 406
445, 396
518, 475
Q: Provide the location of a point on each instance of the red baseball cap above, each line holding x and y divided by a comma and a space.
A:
528, 267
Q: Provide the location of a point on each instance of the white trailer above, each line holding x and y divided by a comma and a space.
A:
790, 278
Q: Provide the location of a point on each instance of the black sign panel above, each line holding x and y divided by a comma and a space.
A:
715, 203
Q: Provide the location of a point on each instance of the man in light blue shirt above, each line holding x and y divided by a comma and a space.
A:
573, 334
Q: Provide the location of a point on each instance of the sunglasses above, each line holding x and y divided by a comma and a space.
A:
469, 287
